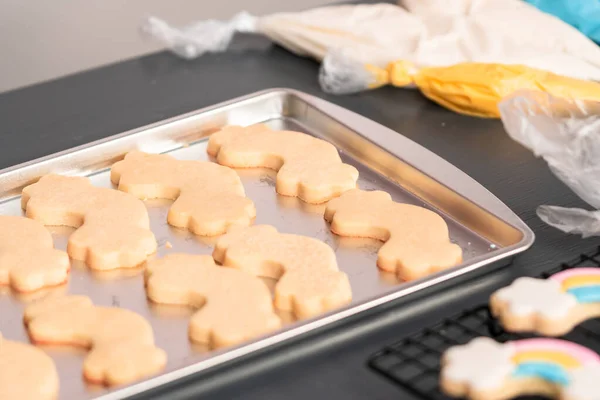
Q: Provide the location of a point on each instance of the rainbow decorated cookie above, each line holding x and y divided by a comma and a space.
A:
484, 369
550, 306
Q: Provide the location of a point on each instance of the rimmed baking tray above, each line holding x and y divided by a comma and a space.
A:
486, 229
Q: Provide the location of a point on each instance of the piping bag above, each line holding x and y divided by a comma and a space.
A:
566, 134
370, 45
468, 88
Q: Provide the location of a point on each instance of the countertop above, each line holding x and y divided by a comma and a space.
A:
53, 116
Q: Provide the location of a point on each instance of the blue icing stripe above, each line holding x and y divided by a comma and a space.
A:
586, 294
547, 371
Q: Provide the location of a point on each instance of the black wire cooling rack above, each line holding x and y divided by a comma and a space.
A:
414, 362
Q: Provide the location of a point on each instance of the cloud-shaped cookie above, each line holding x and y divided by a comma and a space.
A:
113, 228
208, 198
416, 239
121, 342
535, 305
309, 280
233, 306
482, 364
308, 168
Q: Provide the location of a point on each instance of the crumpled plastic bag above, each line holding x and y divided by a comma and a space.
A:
566, 134
571, 220
192, 41
377, 31
425, 33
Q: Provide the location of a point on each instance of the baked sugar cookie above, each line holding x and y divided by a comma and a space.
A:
486, 370
121, 342
309, 282
308, 168
553, 306
416, 239
113, 228
26, 372
208, 197
234, 306
28, 259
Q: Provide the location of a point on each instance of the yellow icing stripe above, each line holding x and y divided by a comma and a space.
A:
562, 359
584, 280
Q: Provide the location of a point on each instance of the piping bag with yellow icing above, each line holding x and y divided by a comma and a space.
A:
467, 88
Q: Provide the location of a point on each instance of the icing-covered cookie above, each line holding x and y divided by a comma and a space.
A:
416, 239
28, 259
308, 168
113, 228
26, 372
121, 342
233, 306
309, 281
486, 370
550, 306
466, 365
208, 197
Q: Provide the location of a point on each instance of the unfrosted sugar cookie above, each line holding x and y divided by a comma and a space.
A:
416, 239
28, 259
121, 342
233, 306
552, 306
26, 372
208, 197
487, 370
113, 228
308, 168
309, 281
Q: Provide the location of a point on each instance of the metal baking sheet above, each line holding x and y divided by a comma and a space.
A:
483, 226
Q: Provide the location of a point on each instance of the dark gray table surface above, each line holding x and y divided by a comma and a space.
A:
57, 115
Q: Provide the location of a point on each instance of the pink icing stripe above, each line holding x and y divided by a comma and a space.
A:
583, 354
561, 276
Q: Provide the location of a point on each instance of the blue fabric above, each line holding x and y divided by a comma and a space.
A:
582, 14
546, 371
586, 294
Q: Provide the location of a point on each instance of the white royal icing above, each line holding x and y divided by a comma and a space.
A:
482, 363
584, 384
527, 296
